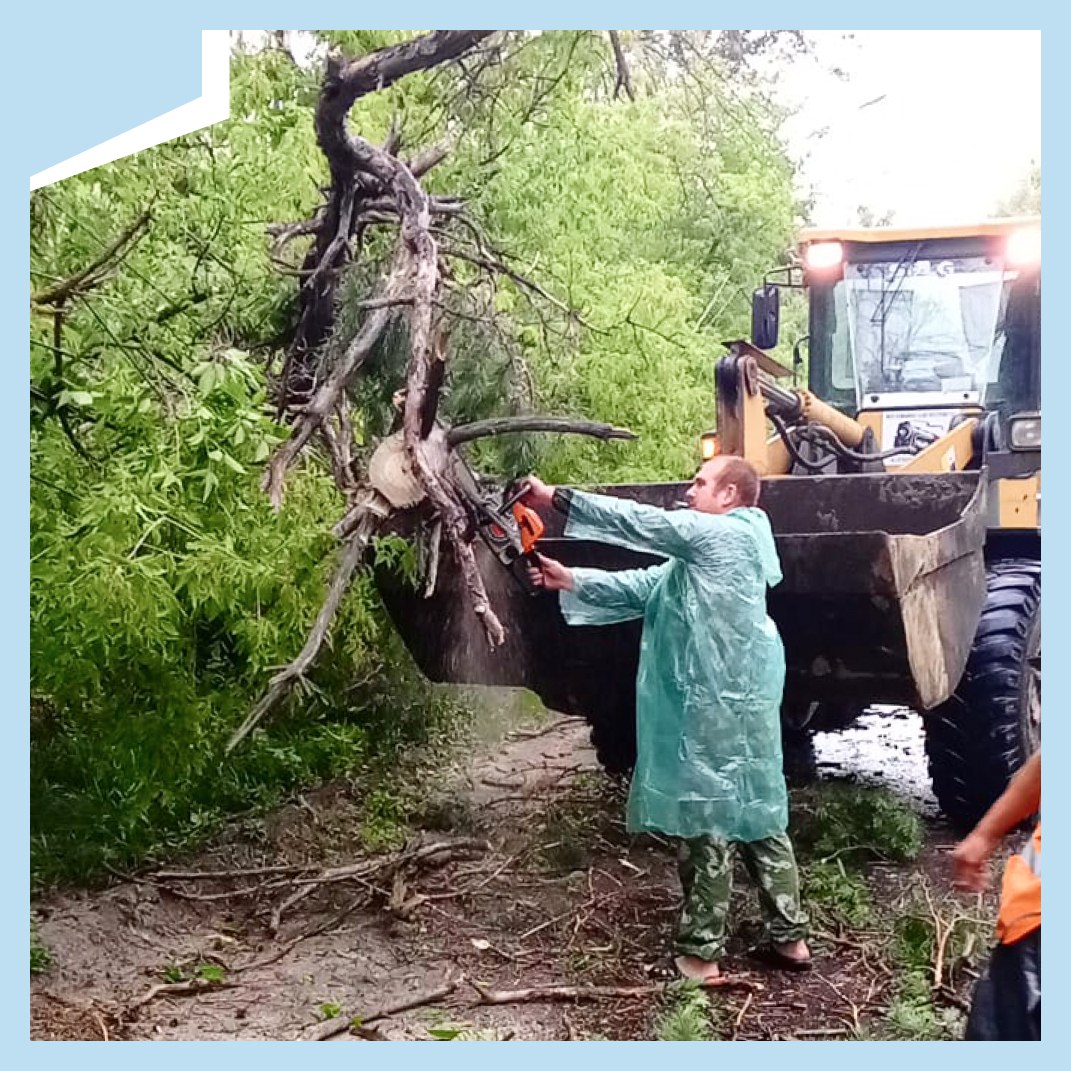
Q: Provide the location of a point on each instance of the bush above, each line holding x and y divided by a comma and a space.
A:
836, 894
837, 821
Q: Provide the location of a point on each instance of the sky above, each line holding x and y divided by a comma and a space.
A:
934, 126
928, 126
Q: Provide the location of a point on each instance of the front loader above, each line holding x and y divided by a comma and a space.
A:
903, 487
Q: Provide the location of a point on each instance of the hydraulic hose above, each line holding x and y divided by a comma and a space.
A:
843, 451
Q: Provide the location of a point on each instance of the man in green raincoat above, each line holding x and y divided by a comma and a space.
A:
708, 693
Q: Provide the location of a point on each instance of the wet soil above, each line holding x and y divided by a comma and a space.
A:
541, 887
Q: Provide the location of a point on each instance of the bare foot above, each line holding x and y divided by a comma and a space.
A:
699, 970
794, 950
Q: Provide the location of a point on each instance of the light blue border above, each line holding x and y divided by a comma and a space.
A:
72, 79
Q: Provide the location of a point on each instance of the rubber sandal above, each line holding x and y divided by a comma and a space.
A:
772, 958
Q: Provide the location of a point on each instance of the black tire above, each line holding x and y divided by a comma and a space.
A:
798, 758
977, 739
613, 735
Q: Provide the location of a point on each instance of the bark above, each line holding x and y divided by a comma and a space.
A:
372, 185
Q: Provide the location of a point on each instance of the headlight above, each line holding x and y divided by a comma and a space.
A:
1024, 247
824, 255
709, 445
1024, 431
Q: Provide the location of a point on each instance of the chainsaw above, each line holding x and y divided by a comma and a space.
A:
510, 529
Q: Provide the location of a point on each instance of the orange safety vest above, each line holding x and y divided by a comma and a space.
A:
1020, 898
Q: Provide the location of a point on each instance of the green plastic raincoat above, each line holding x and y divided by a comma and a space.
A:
712, 667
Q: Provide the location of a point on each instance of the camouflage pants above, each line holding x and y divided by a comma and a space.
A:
706, 871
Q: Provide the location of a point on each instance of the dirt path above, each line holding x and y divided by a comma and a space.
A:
527, 879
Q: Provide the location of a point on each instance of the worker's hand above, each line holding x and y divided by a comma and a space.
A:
970, 862
550, 575
537, 493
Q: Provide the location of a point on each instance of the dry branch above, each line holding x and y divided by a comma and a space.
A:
599, 992
189, 988
372, 185
370, 870
334, 1027
290, 945
227, 875
480, 429
281, 684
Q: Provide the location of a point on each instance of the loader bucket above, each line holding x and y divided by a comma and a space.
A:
884, 580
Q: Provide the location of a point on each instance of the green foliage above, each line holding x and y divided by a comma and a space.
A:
913, 1016
330, 1010
654, 220
836, 894
444, 1033
686, 1015
914, 1013
393, 552
964, 937
40, 956
837, 821
164, 590
385, 823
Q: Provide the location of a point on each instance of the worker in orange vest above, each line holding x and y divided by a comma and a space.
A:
1007, 1000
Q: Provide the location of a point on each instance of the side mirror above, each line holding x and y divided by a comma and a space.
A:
765, 316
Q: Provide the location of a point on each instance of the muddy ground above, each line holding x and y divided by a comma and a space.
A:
517, 875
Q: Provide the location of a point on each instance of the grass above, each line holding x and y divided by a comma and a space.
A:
836, 830
836, 896
836, 821
40, 956
687, 1015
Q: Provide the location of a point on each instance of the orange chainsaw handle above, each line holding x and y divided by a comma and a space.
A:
529, 525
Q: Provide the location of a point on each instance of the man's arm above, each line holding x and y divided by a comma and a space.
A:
1018, 802
597, 596
606, 519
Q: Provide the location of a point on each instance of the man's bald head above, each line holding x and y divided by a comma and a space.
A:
724, 483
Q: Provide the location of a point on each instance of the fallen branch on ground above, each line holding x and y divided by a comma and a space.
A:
599, 992
330, 924
223, 875
532, 734
189, 988
370, 870
340, 1024
740, 1016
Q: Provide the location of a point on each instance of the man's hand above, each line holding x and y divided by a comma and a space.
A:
970, 862
1018, 802
551, 575
537, 493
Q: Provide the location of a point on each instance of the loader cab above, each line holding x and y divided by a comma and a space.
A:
913, 329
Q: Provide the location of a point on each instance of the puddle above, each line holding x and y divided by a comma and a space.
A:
886, 748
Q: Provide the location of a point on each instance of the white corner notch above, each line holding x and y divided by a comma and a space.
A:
212, 106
